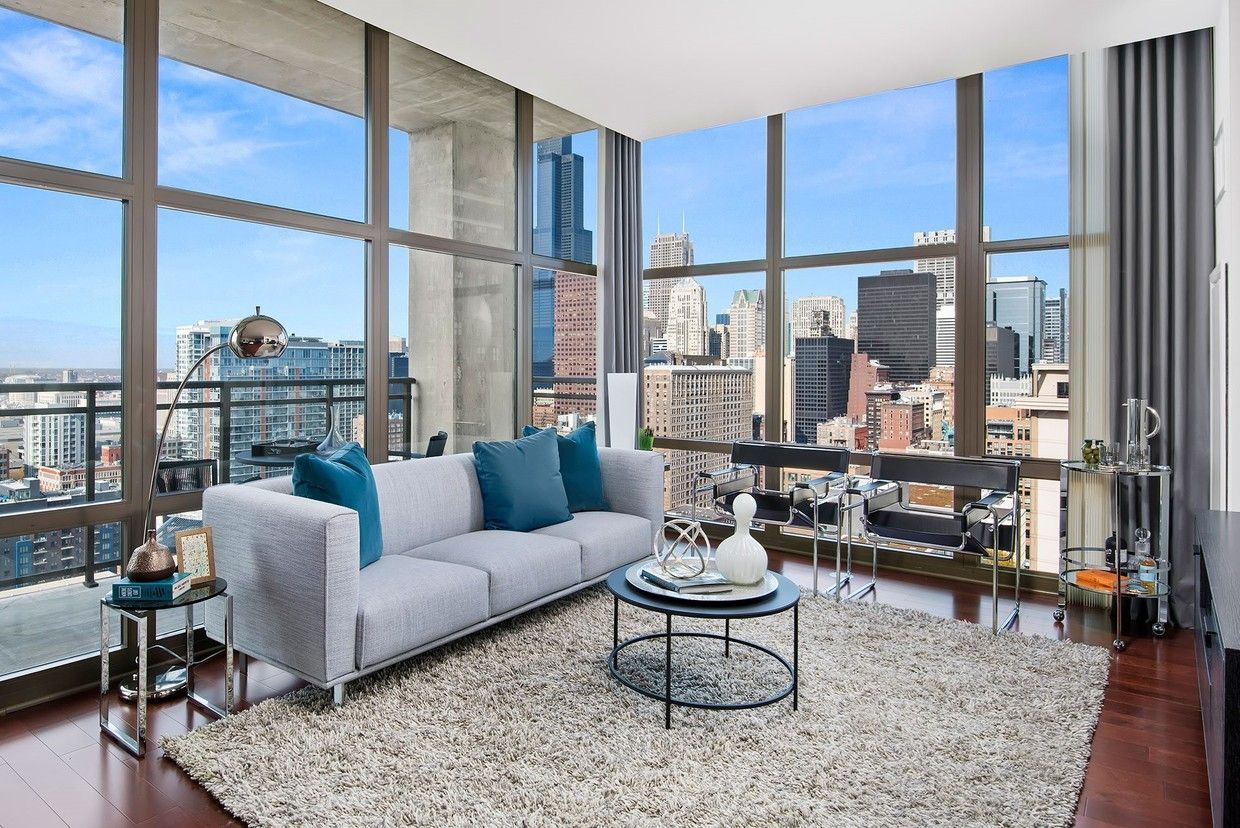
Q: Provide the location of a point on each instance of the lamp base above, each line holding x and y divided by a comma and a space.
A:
160, 684
152, 561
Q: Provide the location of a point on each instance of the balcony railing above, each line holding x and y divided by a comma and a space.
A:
223, 396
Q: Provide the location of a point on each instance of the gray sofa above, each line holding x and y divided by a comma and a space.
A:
300, 601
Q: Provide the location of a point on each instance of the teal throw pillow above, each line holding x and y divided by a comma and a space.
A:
344, 478
521, 484
580, 469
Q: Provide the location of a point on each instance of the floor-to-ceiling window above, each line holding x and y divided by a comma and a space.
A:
166, 167
911, 263
564, 309
62, 283
704, 306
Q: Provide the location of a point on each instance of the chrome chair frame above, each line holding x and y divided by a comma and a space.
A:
836, 486
969, 519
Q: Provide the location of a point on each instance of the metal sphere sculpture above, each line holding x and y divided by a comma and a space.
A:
685, 549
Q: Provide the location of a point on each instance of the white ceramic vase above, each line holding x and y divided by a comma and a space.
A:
740, 558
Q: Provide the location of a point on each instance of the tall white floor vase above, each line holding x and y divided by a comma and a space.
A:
740, 558
622, 410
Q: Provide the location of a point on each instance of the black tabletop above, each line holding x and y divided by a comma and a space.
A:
275, 460
781, 599
190, 596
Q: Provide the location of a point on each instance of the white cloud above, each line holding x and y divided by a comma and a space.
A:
67, 67
197, 141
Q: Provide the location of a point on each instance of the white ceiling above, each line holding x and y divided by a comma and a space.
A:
655, 67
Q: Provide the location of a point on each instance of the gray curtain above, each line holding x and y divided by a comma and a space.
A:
1162, 253
621, 266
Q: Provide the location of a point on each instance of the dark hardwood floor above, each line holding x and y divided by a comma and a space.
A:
1147, 766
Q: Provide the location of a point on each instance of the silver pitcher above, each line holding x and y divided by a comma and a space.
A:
1139, 431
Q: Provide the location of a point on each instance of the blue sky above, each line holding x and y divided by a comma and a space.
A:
865, 173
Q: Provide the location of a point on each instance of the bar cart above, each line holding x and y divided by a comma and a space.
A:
1099, 570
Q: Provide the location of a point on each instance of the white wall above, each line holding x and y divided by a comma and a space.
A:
1225, 298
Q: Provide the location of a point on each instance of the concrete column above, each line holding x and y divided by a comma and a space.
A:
462, 313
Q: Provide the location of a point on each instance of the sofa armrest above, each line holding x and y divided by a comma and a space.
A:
292, 568
633, 484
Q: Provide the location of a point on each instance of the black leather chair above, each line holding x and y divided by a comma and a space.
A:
987, 527
436, 444
820, 504
434, 448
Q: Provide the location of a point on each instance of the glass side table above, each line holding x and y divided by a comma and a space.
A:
139, 612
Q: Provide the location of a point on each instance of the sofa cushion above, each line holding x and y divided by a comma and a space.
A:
344, 478
579, 468
427, 499
522, 567
608, 540
520, 481
404, 602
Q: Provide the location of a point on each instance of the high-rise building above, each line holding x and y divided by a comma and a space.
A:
398, 368
850, 328
945, 335
747, 323
1018, 302
863, 375
903, 424
671, 250
1055, 327
718, 342
42, 554
651, 332
559, 231
820, 378
667, 250
805, 309
943, 267
575, 353
53, 440
686, 318
1002, 356
875, 400
542, 322
702, 402
305, 359
559, 215
895, 322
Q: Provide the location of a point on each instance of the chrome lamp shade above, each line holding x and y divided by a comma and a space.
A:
255, 337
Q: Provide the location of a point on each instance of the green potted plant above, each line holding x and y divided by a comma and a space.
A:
645, 439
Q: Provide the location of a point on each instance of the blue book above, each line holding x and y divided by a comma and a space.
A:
165, 589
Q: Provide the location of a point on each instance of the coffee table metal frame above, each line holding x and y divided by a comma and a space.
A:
139, 612
787, 596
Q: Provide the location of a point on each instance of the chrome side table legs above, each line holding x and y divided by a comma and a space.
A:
135, 741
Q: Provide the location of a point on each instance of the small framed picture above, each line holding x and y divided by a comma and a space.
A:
196, 555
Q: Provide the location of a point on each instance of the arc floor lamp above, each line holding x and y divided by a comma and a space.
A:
255, 337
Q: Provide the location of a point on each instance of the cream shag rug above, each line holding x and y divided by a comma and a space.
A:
905, 720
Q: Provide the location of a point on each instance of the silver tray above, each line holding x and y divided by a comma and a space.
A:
751, 592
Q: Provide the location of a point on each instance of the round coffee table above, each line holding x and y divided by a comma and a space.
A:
786, 596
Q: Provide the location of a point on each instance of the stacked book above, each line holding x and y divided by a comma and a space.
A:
710, 582
165, 589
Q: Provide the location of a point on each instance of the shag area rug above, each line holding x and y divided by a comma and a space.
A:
905, 719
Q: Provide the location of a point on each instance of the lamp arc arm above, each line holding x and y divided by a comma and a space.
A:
163, 432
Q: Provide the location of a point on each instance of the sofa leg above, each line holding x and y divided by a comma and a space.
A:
338, 695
